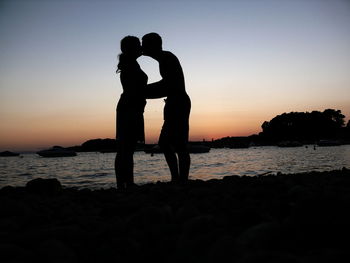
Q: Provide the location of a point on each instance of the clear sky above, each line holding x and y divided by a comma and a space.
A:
244, 61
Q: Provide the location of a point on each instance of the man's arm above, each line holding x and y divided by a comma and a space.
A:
156, 90
172, 78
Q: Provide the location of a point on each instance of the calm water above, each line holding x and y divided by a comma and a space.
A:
95, 170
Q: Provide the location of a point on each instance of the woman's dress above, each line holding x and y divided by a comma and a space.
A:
130, 108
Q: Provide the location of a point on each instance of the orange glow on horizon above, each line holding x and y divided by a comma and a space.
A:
35, 135
24, 133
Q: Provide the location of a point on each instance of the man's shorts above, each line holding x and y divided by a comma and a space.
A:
175, 130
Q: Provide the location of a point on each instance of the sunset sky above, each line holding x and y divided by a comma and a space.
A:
244, 61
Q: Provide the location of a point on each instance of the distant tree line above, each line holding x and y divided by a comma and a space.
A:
99, 145
306, 126
95, 145
300, 127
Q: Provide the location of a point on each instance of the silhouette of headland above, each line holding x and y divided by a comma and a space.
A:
8, 154
286, 130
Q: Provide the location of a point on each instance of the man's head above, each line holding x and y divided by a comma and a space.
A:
151, 44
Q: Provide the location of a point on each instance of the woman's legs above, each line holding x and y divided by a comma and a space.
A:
119, 170
124, 164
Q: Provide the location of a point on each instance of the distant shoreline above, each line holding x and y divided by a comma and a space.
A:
109, 145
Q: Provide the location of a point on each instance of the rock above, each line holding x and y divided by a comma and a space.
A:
148, 216
15, 253
7, 190
222, 250
264, 235
299, 193
55, 251
9, 225
50, 187
271, 256
13, 207
198, 225
327, 255
185, 212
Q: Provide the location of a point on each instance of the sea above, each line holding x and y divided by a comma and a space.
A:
95, 170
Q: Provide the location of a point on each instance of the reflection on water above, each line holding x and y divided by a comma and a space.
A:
95, 170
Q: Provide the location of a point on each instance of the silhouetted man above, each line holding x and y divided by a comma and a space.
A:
173, 138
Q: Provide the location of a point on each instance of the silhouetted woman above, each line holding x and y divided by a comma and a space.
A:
130, 123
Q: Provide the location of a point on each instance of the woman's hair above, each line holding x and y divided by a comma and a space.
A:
128, 45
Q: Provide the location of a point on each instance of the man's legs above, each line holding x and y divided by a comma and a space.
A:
173, 141
170, 157
182, 141
169, 153
172, 162
179, 162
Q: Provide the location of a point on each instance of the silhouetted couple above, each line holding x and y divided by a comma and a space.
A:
173, 138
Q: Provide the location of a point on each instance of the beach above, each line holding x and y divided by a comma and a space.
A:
300, 217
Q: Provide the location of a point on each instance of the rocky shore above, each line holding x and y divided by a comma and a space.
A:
273, 218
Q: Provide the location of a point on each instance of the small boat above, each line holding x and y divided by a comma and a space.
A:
8, 154
191, 148
57, 151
